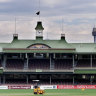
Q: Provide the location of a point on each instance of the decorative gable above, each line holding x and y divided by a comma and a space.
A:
38, 46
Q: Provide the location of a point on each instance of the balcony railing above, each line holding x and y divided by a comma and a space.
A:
37, 70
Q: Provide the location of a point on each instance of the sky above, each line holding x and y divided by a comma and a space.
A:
74, 18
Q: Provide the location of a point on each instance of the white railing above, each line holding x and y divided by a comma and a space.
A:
37, 70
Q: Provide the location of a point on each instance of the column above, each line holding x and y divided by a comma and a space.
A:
47, 55
91, 79
4, 61
3, 79
54, 56
27, 79
51, 62
20, 55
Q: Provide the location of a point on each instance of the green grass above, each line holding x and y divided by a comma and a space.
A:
57, 92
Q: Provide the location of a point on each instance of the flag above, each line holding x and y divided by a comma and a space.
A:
38, 13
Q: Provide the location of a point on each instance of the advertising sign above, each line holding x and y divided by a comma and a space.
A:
47, 87
19, 87
76, 86
3, 87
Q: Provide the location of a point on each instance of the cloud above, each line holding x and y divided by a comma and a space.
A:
72, 27
52, 3
48, 7
1, 1
78, 16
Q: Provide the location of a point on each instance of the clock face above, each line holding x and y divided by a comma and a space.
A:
39, 33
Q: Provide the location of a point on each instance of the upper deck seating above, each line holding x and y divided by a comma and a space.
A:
15, 64
63, 64
39, 64
83, 63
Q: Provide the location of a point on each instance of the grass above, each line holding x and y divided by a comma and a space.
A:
54, 92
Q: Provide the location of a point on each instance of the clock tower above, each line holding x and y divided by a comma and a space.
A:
39, 29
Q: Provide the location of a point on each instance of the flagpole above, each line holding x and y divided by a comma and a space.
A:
62, 25
15, 25
38, 13
39, 17
39, 10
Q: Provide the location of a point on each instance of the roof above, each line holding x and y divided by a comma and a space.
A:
56, 46
39, 26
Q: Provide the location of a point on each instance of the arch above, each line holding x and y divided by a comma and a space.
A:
38, 46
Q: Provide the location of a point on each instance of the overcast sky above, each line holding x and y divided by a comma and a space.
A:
74, 18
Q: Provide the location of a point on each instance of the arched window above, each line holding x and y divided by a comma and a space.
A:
38, 46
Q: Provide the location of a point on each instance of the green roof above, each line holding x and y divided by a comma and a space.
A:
59, 46
39, 26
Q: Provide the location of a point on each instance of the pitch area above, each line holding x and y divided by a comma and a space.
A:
56, 92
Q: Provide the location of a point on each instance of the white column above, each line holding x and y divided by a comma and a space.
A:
4, 62
54, 56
